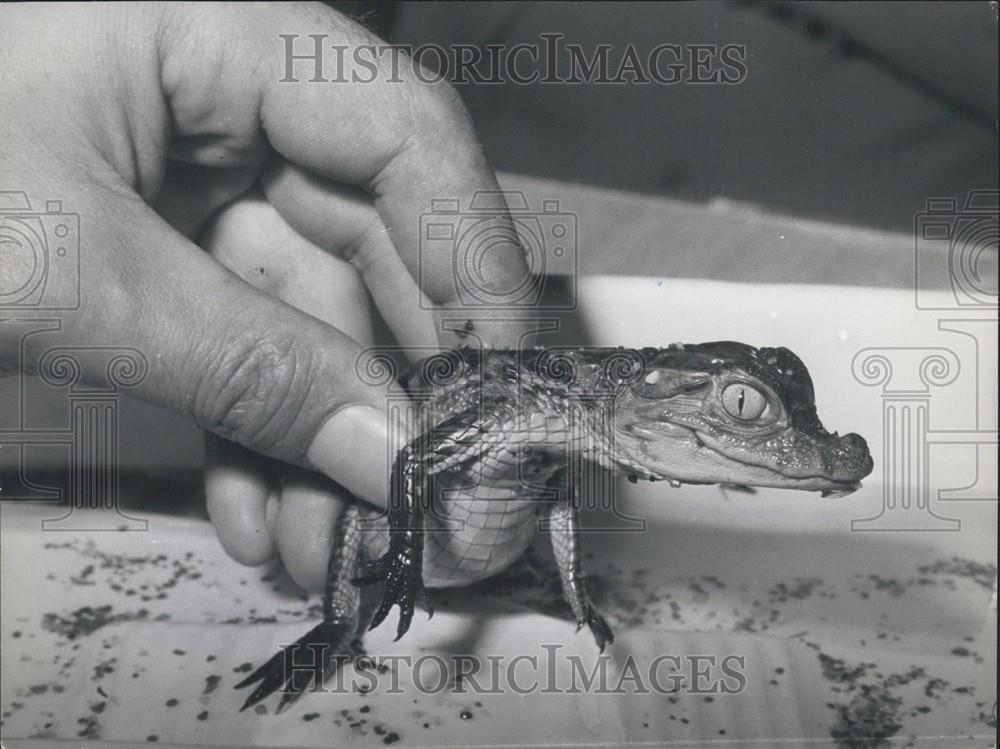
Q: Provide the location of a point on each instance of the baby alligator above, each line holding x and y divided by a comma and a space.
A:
504, 431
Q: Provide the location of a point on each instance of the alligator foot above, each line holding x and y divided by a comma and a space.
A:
404, 586
565, 530
598, 627
310, 661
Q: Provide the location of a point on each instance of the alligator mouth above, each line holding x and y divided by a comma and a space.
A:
755, 472
828, 484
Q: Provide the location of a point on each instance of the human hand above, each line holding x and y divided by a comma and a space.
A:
164, 124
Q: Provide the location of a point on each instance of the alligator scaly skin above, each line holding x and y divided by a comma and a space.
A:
499, 436
487, 500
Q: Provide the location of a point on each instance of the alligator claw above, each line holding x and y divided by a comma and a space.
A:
598, 627
403, 587
425, 603
310, 661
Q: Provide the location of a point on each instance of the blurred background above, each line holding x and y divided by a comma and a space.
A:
851, 112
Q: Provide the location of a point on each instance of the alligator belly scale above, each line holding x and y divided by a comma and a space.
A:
481, 519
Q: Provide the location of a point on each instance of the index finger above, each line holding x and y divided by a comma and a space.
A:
336, 100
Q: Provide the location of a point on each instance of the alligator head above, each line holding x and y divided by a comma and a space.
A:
728, 413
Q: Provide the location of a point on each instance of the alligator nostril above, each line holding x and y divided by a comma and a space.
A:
854, 442
854, 457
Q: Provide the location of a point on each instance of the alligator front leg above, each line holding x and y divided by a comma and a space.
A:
565, 529
445, 447
316, 656
401, 567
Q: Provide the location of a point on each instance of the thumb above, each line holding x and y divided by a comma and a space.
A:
240, 363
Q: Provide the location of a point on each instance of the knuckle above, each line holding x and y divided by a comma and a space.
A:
254, 392
431, 107
447, 112
446, 99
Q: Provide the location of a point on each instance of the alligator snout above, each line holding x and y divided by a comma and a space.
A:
850, 459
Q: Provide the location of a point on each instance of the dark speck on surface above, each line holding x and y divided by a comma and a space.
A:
934, 687
871, 715
801, 589
310, 716
465, 715
172, 702
979, 573
203, 715
86, 620
152, 737
390, 738
890, 586
211, 682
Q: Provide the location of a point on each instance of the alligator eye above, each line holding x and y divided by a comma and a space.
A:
743, 402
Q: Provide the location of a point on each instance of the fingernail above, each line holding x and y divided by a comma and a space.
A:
353, 448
